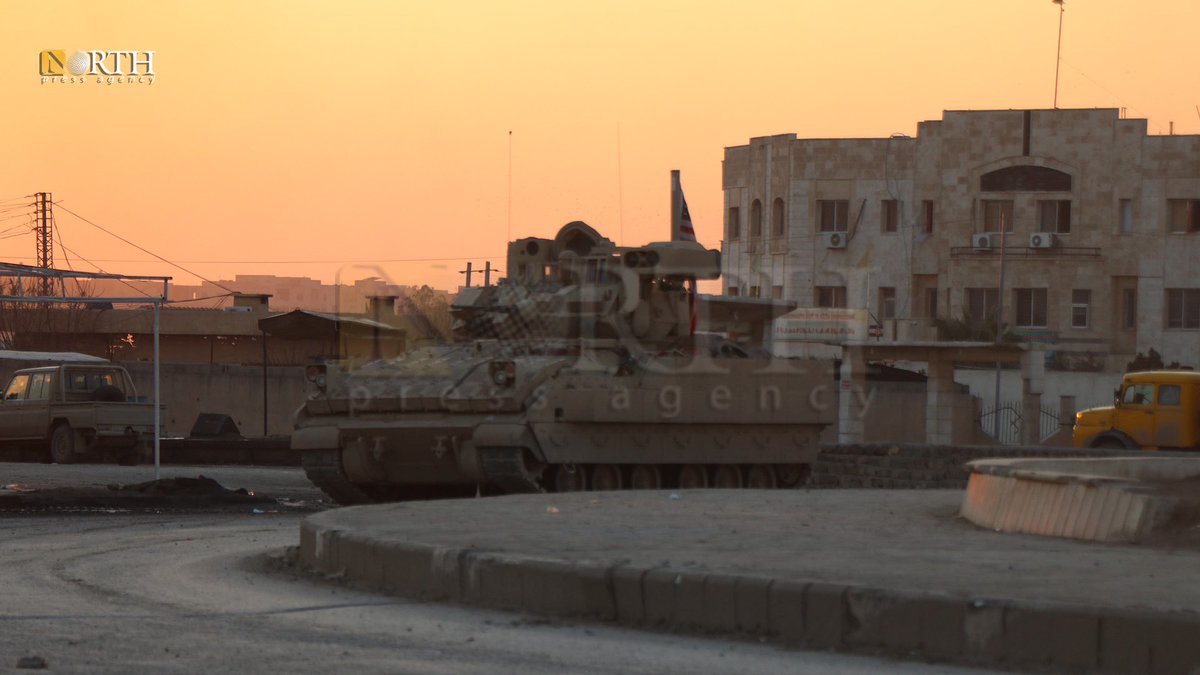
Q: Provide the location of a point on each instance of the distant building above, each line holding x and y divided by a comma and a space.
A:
287, 293
1101, 230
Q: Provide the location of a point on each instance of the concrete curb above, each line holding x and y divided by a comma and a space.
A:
797, 613
1110, 500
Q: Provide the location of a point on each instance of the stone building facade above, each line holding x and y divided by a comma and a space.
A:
1100, 222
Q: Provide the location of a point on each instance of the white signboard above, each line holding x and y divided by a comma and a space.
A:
821, 324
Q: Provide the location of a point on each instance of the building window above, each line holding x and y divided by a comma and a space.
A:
1128, 308
833, 214
1126, 223
997, 215
777, 292
1081, 303
1183, 308
732, 291
887, 303
931, 303
735, 223
1185, 215
1054, 215
1031, 307
889, 215
756, 219
755, 292
777, 219
830, 296
982, 303
927, 216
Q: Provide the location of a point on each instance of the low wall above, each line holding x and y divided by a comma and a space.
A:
896, 414
189, 389
918, 466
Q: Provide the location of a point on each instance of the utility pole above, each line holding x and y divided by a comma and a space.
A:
43, 206
468, 273
487, 273
999, 328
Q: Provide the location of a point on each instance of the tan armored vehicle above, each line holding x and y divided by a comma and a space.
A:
578, 371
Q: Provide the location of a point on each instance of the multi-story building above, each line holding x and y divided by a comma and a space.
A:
1100, 224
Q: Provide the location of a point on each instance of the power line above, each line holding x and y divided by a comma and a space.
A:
144, 250
298, 262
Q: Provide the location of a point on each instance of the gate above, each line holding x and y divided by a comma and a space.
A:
1009, 415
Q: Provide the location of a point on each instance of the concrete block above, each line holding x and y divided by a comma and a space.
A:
785, 611
927, 624
1141, 642
720, 603
689, 600
494, 581
446, 570
983, 630
566, 589
407, 570
753, 604
658, 597
360, 559
627, 594
1052, 636
824, 615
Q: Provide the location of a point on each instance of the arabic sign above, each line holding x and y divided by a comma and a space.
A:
821, 324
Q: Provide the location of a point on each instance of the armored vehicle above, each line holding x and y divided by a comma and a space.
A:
580, 370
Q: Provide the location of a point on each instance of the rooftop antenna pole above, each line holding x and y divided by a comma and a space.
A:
1058, 58
621, 190
508, 232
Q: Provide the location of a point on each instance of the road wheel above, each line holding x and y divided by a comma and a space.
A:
606, 477
761, 477
62, 445
692, 476
727, 476
1109, 444
569, 478
793, 475
645, 477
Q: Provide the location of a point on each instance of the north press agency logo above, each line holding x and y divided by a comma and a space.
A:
123, 66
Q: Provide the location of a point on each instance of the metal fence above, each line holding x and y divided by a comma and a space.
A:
1009, 415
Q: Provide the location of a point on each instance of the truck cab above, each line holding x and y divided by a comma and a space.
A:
1151, 410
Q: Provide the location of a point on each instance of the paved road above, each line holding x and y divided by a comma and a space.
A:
283, 482
189, 592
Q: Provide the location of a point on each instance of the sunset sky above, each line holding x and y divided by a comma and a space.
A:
335, 139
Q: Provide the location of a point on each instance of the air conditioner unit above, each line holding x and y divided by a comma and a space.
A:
834, 239
983, 242
1042, 240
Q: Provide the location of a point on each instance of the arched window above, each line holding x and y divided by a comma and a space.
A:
756, 219
777, 220
1025, 178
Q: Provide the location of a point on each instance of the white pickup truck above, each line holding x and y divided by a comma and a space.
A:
77, 409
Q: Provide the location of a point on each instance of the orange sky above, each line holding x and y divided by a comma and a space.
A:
378, 131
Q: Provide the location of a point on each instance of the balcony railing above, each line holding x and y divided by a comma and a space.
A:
1054, 252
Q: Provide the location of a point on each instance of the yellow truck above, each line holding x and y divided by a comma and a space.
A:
1153, 410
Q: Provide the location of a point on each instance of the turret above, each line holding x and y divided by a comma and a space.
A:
580, 285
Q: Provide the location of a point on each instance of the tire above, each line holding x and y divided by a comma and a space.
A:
62, 444
1110, 443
